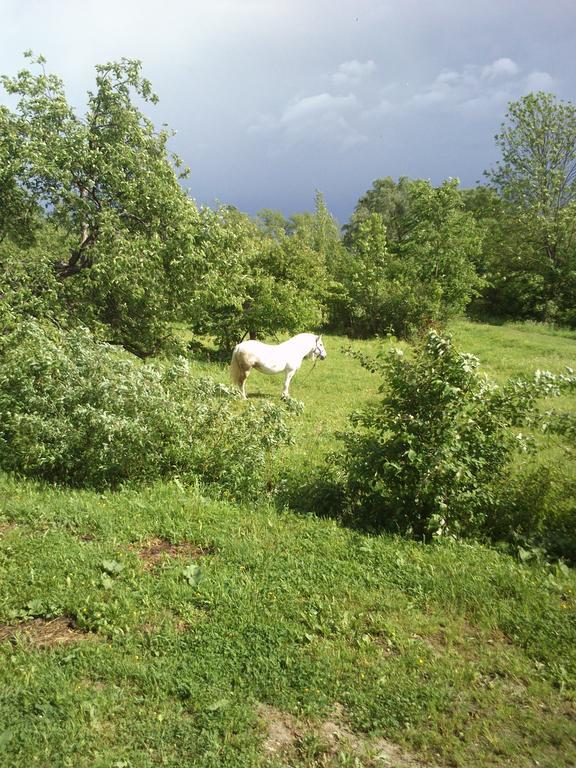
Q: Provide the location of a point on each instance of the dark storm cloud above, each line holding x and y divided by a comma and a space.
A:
272, 99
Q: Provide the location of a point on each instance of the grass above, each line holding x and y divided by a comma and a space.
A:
158, 626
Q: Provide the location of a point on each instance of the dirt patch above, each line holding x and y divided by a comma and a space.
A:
288, 737
45, 633
283, 730
6, 527
468, 641
154, 551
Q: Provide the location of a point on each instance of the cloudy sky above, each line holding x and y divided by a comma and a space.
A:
273, 99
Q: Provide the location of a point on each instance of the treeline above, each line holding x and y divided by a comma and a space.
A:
95, 227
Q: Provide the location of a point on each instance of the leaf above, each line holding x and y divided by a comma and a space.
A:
35, 607
107, 582
113, 567
192, 573
216, 705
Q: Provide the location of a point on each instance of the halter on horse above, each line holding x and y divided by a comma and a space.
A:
274, 358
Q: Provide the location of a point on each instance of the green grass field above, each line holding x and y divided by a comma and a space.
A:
160, 627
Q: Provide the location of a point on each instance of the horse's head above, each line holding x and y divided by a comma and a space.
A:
319, 350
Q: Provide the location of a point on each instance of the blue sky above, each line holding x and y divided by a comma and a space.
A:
273, 99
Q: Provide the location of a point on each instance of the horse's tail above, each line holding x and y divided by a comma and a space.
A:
235, 370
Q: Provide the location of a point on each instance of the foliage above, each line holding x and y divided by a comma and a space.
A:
28, 284
81, 413
537, 512
19, 211
107, 181
432, 455
245, 277
362, 306
403, 286
536, 176
390, 200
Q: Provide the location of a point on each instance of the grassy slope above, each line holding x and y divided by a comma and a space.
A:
453, 652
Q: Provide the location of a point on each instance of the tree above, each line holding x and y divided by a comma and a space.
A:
442, 243
509, 261
109, 183
387, 198
537, 177
19, 211
365, 272
425, 277
242, 280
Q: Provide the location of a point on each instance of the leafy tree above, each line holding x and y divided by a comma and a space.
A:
509, 263
441, 245
287, 288
537, 176
19, 211
272, 223
361, 307
28, 284
425, 277
108, 182
387, 198
245, 281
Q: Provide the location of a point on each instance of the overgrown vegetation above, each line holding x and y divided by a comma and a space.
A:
82, 413
434, 455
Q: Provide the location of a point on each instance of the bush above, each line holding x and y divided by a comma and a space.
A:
537, 513
81, 413
434, 454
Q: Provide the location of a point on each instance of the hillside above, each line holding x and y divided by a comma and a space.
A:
158, 626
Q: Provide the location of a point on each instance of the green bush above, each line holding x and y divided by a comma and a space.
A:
537, 513
434, 454
81, 413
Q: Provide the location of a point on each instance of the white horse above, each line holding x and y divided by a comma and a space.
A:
274, 358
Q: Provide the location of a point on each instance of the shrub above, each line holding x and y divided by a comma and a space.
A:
538, 512
433, 455
81, 413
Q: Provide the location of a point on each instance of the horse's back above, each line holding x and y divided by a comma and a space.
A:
251, 346
267, 358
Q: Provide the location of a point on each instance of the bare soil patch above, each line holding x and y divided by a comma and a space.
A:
155, 550
5, 527
45, 633
286, 736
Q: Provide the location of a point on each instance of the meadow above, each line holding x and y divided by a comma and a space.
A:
163, 626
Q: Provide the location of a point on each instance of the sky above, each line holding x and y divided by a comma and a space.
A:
272, 100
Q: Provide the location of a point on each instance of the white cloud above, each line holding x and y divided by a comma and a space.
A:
540, 81
383, 108
478, 89
321, 116
352, 72
500, 68
310, 107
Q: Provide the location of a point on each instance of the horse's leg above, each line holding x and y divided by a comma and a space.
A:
243, 377
287, 379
